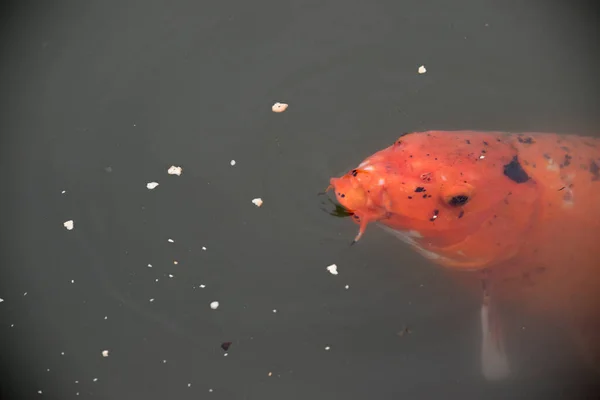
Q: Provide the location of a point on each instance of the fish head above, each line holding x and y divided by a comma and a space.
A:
455, 196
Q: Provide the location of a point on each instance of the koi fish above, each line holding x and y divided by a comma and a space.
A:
522, 209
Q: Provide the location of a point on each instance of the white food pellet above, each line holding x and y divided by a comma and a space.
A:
104, 353
173, 170
279, 107
72, 280
189, 385
332, 269
152, 185
149, 265
257, 202
347, 286
232, 162
170, 276
164, 361
171, 241
68, 224
1, 300
214, 305
175, 262
274, 311
225, 355
327, 348
202, 286
106, 317
95, 379
64, 191
39, 392
422, 69
203, 248
151, 300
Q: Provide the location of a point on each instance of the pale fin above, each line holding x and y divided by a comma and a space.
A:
494, 361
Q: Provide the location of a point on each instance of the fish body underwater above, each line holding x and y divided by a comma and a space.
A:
521, 209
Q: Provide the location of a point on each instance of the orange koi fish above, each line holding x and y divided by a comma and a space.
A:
522, 209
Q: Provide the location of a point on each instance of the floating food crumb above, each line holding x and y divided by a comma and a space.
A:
232, 162
68, 224
104, 353
270, 374
152, 185
64, 191
39, 392
1, 300
173, 170
274, 311
203, 248
72, 280
171, 240
225, 345
149, 265
332, 269
202, 286
279, 107
189, 385
257, 202
151, 300
175, 262
214, 305
327, 348
422, 69
95, 379
164, 361
347, 286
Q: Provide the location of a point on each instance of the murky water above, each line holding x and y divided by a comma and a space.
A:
98, 100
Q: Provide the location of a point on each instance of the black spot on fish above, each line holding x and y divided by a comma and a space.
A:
565, 148
461, 213
342, 195
468, 141
420, 189
547, 156
567, 160
527, 140
562, 188
514, 171
595, 171
354, 172
435, 215
410, 197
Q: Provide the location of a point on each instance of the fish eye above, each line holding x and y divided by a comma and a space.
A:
458, 200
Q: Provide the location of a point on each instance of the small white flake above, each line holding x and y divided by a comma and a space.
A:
68, 224
104, 353
170, 276
422, 69
232, 162
347, 286
173, 170
106, 317
274, 311
25, 294
202, 286
62, 353
225, 355
214, 305
95, 379
1, 300
39, 392
279, 107
257, 202
149, 265
151, 300
151, 185
327, 348
164, 361
64, 191
189, 385
210, 390
171, 240
332, 269
72, 280
481, 157
203, 248
175, 262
